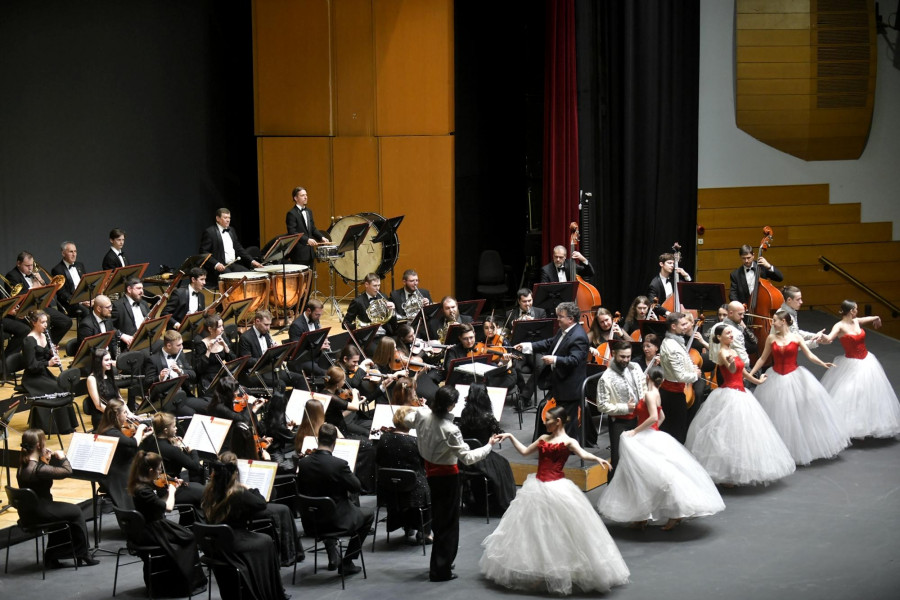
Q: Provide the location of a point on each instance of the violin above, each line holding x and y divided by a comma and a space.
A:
164, 481
46, 455
401, 362
130, 427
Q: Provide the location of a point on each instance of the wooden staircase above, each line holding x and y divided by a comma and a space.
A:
806, 227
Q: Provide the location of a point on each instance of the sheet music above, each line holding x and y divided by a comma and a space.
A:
344, 449
496, 394
384, 417
91, 453
258, 475
206, 434
476, 368
297, 402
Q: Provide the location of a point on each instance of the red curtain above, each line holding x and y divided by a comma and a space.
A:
560, 176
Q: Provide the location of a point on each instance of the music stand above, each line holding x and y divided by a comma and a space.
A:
549, 295
271, 360
82, 358
701, 296
280, 249
231, 368
365, 336
338, 341
37, 298
116, 283
190, 324
7, 305
84, 291
165, 389
455, 376
353, 237
310, 340
149, 334
452, 337
655, 327
197, 260
387, 231
428, 312
470, 308
238, 310
533, 330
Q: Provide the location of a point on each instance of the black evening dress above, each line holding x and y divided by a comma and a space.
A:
399, 451
37, 379
495, 467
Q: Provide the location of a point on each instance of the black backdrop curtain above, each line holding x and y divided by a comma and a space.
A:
638, 72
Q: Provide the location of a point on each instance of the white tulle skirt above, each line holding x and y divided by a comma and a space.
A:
552, 540
863, 397
735, 441
657, 478
803, 413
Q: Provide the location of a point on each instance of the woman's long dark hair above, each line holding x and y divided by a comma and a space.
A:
32, 439
222, 484
478, 413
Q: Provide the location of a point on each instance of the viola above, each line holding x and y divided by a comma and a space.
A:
239, 404
401, 362
130, 427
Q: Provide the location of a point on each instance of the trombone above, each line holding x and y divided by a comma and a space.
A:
14, 290
56, 281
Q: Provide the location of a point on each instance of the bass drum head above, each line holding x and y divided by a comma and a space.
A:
373, 258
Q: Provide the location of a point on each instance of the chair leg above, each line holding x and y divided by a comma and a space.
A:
116, 574
341, 564
43, 551
69, 527
375, 527
362, 561
487, 502
315, 555
80, 417
8, 537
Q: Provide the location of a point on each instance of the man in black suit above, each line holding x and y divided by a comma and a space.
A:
114, 257
228, 255
300, 220
253, 343
98, 321
322, 474
565, 355
448, 315
409, 290
560, 267
307, 321
360, 304
73, 270
129, 311
186, 300
24, 273
167, 363
743, 279
663, 285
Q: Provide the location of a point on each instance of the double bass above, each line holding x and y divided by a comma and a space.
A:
586, 296
673, 302
766, 299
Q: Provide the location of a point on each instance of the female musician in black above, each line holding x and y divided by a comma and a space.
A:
101, 385
116, 423
229, 403
38, 355
177, 457
38, 469
212, 349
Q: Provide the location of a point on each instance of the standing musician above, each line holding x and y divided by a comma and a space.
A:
677, 370
663, 285
308, 321
113, 259
73, 270
129, 311
357, 312
448, 315
300, 220
744, 342
638, 311
526, 311
169, 362
410, 291
25, 274
228, 255
743, 279
619, 390
98, 321
565, 355
186, 300
559, 268
604, 329
793, 300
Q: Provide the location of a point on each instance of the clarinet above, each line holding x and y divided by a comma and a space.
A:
53, 351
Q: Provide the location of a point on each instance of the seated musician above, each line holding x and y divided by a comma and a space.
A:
73, 270
169, 362
638, 311
221, 241
38, 355
186, 300
663, 285
229, 402
448, 315
743, 279
466, 347
114, 258
300, 220
604, 329
417, 356
28, 276
410, 295
359, 311
211, 351
650, 346
403, 393
560, 267
384, 361
525, 311
129, 311
312, 420
507, 376
308, 321
101, 386
116, 423
254, 343
98, 321
344, 400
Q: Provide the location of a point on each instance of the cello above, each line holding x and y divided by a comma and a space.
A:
586, 296
766, 299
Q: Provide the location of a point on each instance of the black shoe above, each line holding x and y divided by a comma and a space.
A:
450, 577
348, 568
198, 590
428, 540
87, 561
334, 558
53, 563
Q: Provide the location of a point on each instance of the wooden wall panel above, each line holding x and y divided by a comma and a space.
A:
414, 67
417, 175
284, 164
354, 68
292, 67
768, 195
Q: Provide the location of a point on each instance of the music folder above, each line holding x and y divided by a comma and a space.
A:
206, 434
383, 417
8, 305
89, 286
237, 310
272, 359
296, 406
91, 453
258, 475
190, 325
281, 248
197, 260
116, 282
310, 341
233, 366
163, 391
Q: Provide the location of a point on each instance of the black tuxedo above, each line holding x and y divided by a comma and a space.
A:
88, 326
515, 314
178, 304
60, 324
321, 474
658, 290
211, 242
739, 290
249, 346
358, 308
295, 332
302, 252
123, 316
183, 405
111, 260
548, 271
568, 374
66, 291
398, 297
438, 322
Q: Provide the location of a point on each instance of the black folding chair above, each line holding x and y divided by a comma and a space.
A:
317, 510
215, 540
22, 499
132, 524
395, 485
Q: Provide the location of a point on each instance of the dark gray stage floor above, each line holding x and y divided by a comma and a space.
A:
828, 531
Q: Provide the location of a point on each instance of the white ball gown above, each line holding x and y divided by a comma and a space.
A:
800, 408
734, 440
657, 478
863, 396
551, 539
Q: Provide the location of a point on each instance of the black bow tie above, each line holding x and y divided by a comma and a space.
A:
135, 304
302, 209
195, 294
560, 269
262, 336
226, 230
71, 266
171, 356
748, 270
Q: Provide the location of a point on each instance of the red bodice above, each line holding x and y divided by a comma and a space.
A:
642, 414
734, 380
785, 358
551, 460
855, 345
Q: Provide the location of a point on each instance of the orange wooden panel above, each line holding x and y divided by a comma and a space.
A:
772, 6
414, 67
285, 163
775, 86
778, 215
766, 195
417, 175
773, 37
292, 67
774, 70
781, 54
773, 21
354, 68
776, 102
805, 255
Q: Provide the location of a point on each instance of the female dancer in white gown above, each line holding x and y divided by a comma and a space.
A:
550, 538
731, 436
800, 408
657, 478
862, 393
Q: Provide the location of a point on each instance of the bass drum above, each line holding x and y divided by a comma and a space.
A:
373, 257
